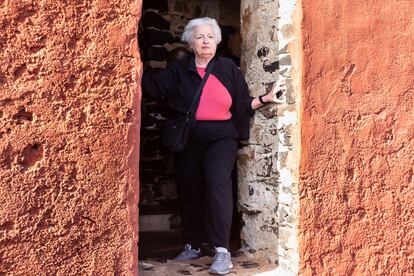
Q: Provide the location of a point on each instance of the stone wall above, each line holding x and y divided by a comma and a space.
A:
69, 137
356, 173
267, 165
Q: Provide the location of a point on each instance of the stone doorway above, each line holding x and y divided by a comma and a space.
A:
259, 34
160, 32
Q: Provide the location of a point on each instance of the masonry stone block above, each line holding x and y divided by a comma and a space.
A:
157, 37
157, 53
160, 5
155, 20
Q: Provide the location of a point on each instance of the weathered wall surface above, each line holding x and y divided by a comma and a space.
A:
268, 162
356, 171
69, 137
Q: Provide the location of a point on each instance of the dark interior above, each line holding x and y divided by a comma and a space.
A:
160, 31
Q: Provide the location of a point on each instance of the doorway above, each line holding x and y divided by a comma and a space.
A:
160, 29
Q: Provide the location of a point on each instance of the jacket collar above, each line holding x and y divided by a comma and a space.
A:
191, 63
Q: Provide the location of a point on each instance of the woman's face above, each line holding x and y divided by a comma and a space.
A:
203, 41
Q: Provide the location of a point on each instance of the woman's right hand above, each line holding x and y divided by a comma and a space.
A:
277, 94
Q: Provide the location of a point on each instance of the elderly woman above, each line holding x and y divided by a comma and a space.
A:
204, 167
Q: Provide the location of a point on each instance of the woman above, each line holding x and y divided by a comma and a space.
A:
203, 169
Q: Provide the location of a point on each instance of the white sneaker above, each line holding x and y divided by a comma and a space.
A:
188, 254
221, 262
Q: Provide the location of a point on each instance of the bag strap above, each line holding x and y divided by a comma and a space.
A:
195, 102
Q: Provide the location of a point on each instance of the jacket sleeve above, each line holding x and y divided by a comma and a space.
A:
160, 84
242, 90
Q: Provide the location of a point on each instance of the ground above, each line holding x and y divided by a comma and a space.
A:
242, 267
157, 249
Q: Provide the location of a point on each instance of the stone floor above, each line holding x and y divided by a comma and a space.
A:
156, 249
242, 267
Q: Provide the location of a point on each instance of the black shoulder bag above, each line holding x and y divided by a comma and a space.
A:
177, 132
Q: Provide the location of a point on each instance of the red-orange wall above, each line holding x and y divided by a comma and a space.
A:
356, 170
69, 137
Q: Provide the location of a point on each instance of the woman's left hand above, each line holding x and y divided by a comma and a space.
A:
274, 96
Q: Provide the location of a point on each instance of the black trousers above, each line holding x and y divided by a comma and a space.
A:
203, 175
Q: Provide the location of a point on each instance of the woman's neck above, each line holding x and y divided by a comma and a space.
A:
202, 62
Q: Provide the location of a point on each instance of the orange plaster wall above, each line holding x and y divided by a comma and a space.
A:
356, 170
69, 137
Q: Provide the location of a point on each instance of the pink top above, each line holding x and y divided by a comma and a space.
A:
215, 100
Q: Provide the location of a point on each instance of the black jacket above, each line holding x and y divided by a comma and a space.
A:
179, 82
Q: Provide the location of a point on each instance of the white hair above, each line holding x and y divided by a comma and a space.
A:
188, 30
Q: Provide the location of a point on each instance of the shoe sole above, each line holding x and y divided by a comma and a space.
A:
187, 259
221, 272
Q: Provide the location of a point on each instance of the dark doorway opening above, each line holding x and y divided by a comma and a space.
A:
160, 29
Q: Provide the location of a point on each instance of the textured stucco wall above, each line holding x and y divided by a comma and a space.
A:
69, 137
356, 173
